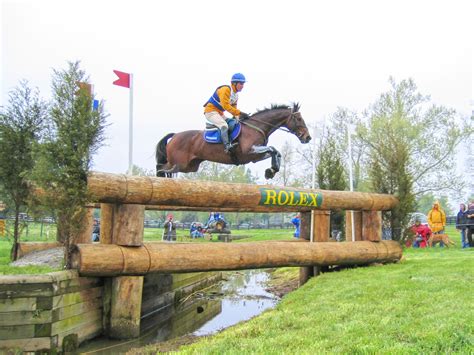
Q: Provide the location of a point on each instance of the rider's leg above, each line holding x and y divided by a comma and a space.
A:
218, 120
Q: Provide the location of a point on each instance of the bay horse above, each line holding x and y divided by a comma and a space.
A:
184, 151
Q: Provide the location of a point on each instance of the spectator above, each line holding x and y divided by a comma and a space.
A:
96, 231
470, 223
296, 222
461, 220
169, 233
422, 234
437, 220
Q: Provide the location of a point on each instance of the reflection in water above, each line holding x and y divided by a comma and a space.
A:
243, 297
240, 298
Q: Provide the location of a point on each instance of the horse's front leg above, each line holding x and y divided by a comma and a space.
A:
269, 152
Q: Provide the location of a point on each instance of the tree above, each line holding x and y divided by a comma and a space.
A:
411, 147
21, 126
330, 172
64, 160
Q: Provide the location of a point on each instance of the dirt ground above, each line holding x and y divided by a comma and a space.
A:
51, 257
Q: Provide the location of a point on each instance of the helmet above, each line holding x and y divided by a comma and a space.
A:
238, 78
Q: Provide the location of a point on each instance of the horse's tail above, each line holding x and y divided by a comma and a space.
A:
160, 154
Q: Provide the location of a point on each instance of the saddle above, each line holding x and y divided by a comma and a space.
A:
213, 135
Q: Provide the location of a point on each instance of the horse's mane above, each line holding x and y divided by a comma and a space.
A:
296, 107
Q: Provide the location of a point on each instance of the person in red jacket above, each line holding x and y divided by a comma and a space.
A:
422, 234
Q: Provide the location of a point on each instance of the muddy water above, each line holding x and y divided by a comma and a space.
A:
239, 297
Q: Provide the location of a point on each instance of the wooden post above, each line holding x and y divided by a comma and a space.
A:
372, 226
106, 222
85, 235
321, 226
321, 231
128, 225
126, 305
126, 291
306, 271
357, 226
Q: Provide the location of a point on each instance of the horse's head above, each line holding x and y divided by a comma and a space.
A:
297, 125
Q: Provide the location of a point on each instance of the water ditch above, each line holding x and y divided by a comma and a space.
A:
239, 297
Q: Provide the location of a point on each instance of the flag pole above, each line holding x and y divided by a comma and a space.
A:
130, 127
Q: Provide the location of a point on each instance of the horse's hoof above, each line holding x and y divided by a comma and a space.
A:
269, 173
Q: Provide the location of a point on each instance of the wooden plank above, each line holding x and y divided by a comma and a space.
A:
82, 332
321, 225
76, 297
67, 324
78, 284
17, 331
76, 309
25, 317
26, 290
17, 304
34, 344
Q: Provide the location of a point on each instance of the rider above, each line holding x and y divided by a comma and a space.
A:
225, 99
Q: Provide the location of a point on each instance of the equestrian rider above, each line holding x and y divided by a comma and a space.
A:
225, 99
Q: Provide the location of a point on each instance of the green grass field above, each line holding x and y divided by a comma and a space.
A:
421, 305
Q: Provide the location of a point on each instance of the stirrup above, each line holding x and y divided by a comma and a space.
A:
229, 147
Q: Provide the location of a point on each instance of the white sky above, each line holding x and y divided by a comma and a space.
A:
323, 54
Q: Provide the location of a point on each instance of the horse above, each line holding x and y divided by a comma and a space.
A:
185, 151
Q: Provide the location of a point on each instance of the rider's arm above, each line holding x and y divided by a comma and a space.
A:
224, 95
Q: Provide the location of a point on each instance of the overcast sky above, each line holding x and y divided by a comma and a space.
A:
322, 54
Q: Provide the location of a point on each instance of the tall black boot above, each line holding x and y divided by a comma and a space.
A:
225, 140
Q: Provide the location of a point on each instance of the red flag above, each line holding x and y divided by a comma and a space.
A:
123, 79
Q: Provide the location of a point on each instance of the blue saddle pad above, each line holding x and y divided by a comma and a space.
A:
214, 135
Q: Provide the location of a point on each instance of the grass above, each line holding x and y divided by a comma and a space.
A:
420, 305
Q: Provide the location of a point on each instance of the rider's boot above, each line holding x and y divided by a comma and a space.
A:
225, 140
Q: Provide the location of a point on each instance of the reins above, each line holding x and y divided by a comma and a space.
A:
277, 126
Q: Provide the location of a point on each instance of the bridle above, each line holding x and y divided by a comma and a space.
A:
278, 126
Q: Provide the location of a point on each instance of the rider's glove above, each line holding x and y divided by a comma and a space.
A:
243, 116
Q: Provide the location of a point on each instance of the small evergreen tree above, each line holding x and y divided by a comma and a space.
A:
64, 160
21, 126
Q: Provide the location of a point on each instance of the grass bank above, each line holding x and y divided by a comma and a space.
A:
420, 305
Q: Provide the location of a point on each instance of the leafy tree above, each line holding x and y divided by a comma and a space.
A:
21, 126
76, 133
411, 147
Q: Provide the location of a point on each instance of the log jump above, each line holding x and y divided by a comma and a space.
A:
118, 260
124, 257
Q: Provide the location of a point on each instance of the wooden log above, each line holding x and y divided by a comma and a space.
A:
372, 225
147, 190
126, 307
112, 260
28, 247
357, 225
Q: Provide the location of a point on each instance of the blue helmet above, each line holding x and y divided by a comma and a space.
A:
238, 78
